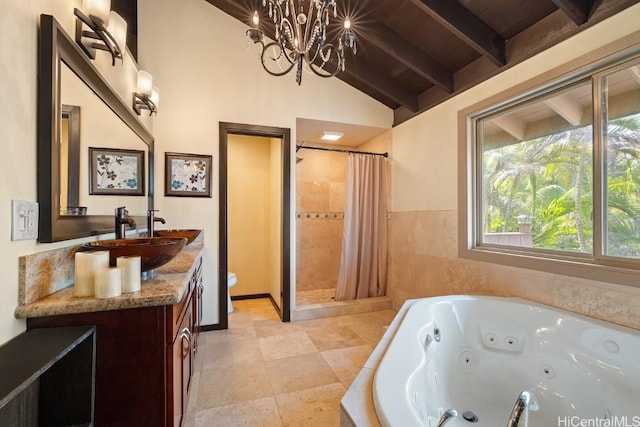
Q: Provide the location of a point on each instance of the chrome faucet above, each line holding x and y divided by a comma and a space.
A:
151, 220
122, 220
447, 416
524, 402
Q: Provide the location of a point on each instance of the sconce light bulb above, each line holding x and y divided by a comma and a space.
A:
256, 19
347, 24
98, 9
155, 96
118, 30
145, 83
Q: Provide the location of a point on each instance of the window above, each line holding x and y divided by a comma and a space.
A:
536, 165
553, 177
621, 161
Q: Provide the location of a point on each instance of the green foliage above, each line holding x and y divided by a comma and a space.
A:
551, 179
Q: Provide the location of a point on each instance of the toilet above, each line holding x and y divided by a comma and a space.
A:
232, 279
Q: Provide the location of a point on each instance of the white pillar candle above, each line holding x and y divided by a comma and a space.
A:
130, 266
108, 283
86, 264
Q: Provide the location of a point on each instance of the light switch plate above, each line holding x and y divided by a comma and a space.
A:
24, 220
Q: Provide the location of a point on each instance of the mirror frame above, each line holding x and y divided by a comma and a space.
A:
56, 47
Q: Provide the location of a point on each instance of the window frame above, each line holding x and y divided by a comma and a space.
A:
597, 266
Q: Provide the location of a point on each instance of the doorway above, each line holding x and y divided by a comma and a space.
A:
283, 135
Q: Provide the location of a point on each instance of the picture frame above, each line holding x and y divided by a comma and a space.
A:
114, 171
187, 175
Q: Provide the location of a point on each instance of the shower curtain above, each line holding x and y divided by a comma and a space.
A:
363, 263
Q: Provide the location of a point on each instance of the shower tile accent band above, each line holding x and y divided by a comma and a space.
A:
320, 215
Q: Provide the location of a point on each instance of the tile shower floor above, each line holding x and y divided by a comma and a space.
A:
316, 296
262, 372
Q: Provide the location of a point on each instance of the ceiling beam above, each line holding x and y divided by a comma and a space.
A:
567, 107
395, 46
512, 124
467, 26
360, 71
576, 10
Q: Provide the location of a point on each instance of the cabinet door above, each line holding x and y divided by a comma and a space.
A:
182, 367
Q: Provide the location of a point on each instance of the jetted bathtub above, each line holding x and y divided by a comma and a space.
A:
466, 361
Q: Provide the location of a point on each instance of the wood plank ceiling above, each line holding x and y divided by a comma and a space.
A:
415, 54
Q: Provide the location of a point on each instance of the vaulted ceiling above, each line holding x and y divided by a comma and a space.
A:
414, 54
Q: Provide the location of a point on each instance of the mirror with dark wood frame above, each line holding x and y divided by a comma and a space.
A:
56, 50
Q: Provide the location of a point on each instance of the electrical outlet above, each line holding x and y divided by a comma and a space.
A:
24, 220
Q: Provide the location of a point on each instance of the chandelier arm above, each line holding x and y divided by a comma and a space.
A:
284, 40
326, 53
309, 46
322, 72
307, 28
273, 73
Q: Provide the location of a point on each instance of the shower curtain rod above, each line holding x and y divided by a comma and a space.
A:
298, 147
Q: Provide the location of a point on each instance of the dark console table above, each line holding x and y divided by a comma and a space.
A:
47, 378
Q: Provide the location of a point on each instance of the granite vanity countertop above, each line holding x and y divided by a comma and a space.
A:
166, 288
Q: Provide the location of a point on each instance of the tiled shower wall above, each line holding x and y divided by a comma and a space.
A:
320, 200
423, 262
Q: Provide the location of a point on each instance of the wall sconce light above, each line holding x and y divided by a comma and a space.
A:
106, 29
146, 96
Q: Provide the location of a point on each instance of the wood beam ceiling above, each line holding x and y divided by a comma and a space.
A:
411, 74
366, 74
393, 45
577, 10
460, 21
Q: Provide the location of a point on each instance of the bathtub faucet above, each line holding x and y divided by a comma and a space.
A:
524, 402
448, 415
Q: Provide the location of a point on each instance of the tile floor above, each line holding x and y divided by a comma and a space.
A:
262, 372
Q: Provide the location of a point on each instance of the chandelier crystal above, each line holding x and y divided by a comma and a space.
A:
301, 38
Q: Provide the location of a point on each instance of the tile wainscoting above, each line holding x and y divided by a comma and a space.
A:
423, 262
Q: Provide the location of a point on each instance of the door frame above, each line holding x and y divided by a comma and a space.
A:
284, 134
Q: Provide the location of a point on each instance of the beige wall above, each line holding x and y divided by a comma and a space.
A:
199, 59
424, 227
248, 209
254, 209
18, 129
320, 201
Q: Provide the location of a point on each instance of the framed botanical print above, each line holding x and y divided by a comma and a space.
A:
116, 172
187, 175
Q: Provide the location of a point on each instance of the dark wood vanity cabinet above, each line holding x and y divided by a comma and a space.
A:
144, 359
182, 359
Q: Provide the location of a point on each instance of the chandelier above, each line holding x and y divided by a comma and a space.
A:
301, 38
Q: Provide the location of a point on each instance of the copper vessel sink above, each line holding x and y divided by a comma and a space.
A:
189, 234
153, 251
